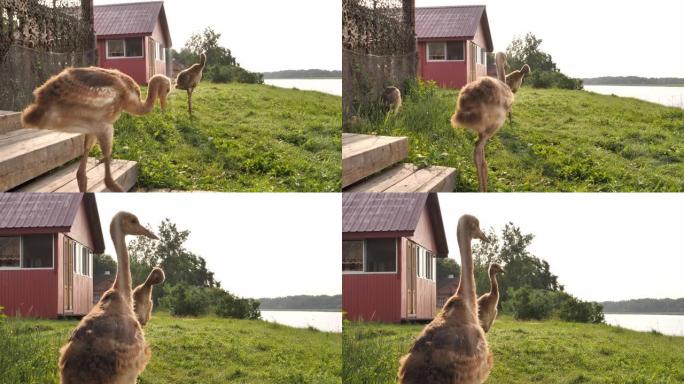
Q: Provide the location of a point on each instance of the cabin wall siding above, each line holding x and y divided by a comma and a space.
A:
30, 293
447, 74
371, 297
133, 67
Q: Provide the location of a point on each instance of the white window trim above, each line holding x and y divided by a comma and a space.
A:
21, 256
446, 54
396, 261
159, 48
124, 56
422, 265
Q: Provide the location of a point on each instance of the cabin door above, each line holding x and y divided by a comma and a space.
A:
151, 57
472, 55
68, 274
411, 279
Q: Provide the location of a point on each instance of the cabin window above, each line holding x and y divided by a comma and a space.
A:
352, 256
131, 47
10, 251
159, 51
480, 55
381, 255
36, 251
370, 255
449, 51
27, 251
425, 262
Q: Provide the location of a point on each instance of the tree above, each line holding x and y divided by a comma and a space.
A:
510, 249
179, 264
102, 263
545, 73
446, 267
208, 42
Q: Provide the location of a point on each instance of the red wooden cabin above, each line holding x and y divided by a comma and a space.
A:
390, 242
133, 38
452, 44
47, 243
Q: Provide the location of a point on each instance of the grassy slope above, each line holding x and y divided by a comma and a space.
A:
205, 350
560, 141
243, 137
525, 352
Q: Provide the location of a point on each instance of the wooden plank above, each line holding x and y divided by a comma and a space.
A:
408, 178
26, 155
9, 121
348, 138
369, 155
124, 172
421, 180
383, 180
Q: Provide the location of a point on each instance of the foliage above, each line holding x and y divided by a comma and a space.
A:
2, 310
545, 73
226, 304
207, 350
228, 74
526, 303
528, 352
447, 266
206, 42
169, 253
304, 74
510, 249
303, 302
580, 311
102, 263
645, 306
560, 141
241, 137
185, 300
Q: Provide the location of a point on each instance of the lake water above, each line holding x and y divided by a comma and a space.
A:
331, 86
323, 321
670, 96
672, 325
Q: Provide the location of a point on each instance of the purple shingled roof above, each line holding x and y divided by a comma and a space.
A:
452, 22
49, 212
130, 19
392, 212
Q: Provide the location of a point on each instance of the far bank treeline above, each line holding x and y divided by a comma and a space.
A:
190, 288
528, 289
303, 303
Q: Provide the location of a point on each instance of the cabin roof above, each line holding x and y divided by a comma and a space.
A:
131, 19
458, 22
52, 212
392, 213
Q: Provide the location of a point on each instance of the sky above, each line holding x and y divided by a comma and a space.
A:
603, 247
257, 244
264, 35
593, 38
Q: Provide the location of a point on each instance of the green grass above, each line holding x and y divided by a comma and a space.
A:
186, 350
561, 140
242, 137
529, 352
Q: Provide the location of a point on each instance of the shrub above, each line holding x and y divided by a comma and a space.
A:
233, 73
551, 79
526, 303
185, 300
579, 311
228, 305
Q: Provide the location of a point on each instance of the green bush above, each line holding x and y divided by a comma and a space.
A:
185, 300
233, 73
553, 79
579, 311
228, 305
526, 303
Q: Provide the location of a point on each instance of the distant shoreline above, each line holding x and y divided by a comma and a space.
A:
645, 313
635, 85
302, 310
302, 78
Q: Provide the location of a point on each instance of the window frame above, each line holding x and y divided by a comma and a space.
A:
21, 255
142, 44
426, 263
363, 271
446, 51
159, 51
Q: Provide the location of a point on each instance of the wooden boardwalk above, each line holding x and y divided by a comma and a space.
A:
34, 160
373, 164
